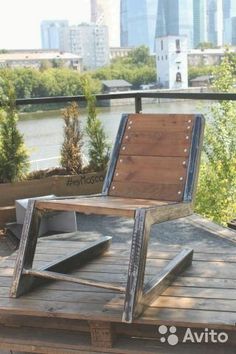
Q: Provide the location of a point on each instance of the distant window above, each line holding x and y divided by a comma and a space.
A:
178, 77
177, 45
166, 57
161, 44
162, 57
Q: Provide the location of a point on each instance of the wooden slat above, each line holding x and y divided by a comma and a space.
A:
146, 169
164, 192
156, 144
160, 122
100, 205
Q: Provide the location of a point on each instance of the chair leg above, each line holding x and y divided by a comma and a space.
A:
138, 295
22, 283
136, 271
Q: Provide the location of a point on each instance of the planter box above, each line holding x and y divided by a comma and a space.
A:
89, 183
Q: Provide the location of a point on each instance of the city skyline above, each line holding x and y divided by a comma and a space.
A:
21, 28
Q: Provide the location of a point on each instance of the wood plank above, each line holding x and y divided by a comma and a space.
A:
156, 144
214, 269
160, 122
164, 192
171, 302
99, 205
149, 169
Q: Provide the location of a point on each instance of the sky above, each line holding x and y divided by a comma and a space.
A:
20, 19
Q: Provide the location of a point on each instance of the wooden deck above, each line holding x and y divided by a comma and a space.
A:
69, 318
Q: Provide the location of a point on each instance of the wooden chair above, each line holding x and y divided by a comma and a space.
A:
151, 178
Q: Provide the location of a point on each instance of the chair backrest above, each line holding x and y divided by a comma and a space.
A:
156, 156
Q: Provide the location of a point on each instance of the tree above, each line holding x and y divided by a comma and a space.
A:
216, 198
204, 45
14, 161
71, 157
98, 145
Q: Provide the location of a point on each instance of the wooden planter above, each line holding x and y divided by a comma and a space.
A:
59, 185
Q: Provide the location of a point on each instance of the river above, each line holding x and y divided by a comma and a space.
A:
43, 131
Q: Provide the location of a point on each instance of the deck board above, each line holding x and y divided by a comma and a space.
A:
206, 289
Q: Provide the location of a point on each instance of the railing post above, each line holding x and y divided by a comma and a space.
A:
138, 103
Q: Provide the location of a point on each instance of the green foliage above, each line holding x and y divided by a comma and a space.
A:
216, 198
71, 158
14, 162
46, 82
195, 71
98, 145
205, 45
137, 68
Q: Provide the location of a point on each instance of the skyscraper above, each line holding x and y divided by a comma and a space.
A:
138, 22
175, 17
107, 12
215, 22
54, 34
229, 12
199, 22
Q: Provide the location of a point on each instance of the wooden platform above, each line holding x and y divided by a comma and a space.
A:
69, 318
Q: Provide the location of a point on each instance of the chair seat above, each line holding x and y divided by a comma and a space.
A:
103, 205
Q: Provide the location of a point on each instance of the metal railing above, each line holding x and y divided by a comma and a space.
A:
136, 95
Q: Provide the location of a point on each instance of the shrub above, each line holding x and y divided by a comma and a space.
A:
216, 197
98, 146
71, 157
14, 162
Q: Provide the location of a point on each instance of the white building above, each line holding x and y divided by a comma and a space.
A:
91, 43
172, 62
36, 58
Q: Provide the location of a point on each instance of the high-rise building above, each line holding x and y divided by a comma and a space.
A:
107, 12
54, 34
229, 12
138, 23
233, 30
90, 42
175, 17
215, 22
199, 22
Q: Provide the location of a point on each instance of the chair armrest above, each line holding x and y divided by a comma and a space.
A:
167, 212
